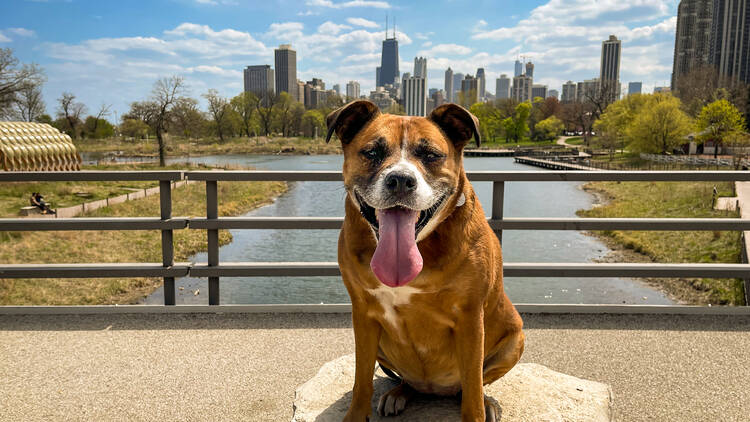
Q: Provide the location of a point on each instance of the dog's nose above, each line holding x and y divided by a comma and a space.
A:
400, 183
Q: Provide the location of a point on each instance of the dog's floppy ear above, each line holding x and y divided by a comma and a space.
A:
350, 119
457, 123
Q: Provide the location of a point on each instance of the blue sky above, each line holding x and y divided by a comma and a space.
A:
112, 51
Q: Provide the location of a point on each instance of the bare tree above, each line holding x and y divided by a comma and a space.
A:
29, 103
13, 78
265, 108
164, 95
103, 111
217, 107
71, 111
187, 119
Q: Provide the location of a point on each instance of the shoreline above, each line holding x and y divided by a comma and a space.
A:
683, 291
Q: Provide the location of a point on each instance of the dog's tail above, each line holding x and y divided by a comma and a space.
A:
392, 375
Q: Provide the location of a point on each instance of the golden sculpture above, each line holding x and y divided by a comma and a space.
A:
26, 146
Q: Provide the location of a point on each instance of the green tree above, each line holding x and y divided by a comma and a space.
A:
187, 119
396, 109
660, 126
218, 108
719, 120
490, 121
244, 104
312, 120
97, 128
517, 125
134, 128
549, 128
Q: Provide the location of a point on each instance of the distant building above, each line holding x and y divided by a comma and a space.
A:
730, 39
389, 73
530, 69
381, 98
553, 93
502, 87
481, 84
568, 92
438, 99
522, 88
518, 69
259, 79
420, 67
352, 90
609, 75
300, 91
286, 70
692, 44
661, 89
449, 85
315, 93
415, 95
457, 80
337, 89
635, 88
470, 89
587, 90
377, 77
538, 90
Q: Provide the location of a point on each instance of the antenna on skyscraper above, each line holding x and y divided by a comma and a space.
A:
394, 27
386, 25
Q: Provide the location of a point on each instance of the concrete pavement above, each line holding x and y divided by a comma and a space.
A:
192, 367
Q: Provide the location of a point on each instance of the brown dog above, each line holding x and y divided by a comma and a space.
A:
422, 266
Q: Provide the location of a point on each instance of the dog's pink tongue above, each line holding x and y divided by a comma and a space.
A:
396, 260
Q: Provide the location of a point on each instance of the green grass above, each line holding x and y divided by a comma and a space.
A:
500, 143
576, 140
118, 246
671, 199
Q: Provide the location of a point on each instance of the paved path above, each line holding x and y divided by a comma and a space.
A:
246, 367
562, 141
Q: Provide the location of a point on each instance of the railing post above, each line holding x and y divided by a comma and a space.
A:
498, 195
212, 212
167, 244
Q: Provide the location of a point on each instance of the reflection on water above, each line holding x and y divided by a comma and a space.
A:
522, 199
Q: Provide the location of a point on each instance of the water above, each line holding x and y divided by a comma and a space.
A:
522, 199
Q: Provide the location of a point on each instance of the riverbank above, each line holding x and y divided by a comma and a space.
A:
670, 200
235, 198
208, 146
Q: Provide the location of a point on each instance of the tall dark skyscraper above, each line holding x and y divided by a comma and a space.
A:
389, 59
449, 85
518, 69
286, 70
259, 80
609, 76
530, 69
481, 83
692, 42
730, 39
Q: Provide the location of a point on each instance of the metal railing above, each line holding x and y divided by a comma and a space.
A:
214, 269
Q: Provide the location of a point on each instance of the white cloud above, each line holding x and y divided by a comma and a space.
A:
445, 49
347, 4
331, 28
362, 22
285, 30
22, 32
424, 36
307, 13
3, 38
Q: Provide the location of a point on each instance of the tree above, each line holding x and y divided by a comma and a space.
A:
719, 120
490, 121
97, 128
103, 111
71, 111
396, 109
313, 123
283, 112
29, 103
218, 107
164, 95
14, 78
187, 120
244, 104
517, 125
549, 128
134, 128
550, 107
264, 109
660, 126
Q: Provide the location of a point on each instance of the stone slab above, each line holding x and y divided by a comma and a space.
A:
529, 392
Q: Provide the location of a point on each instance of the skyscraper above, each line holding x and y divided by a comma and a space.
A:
530, 69
377, 77
389, 73
692, 44
519, 69
502, 87
457, 78
568, 92
259, 79
420, 67
522, 88
609, 75
415, 95
538, 90
337, 89
286, 70
635, 88
449, 85
470, 89
553, 93
352, 90
481, 83
730, 39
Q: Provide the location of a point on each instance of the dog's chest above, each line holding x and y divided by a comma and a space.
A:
392, 300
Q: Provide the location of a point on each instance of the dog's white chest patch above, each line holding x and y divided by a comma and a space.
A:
391, 297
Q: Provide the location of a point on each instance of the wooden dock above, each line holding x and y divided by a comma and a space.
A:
552, 165
489, 152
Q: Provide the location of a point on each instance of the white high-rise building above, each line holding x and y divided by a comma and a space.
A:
352, 90
568, 92
420, 67
522, 88
415, 95
481, 83
449, 85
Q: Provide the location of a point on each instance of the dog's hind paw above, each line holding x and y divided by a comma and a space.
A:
394, 401
492, 411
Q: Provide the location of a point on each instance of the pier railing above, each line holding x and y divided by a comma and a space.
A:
214, 268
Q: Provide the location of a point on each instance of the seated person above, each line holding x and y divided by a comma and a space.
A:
37, 200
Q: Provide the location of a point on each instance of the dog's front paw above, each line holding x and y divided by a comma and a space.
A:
393, 402
492, 411
354, 416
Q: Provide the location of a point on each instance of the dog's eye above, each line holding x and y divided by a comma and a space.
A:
374, 154
429, 155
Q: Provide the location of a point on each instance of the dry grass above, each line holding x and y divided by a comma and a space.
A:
119, 246
669, 199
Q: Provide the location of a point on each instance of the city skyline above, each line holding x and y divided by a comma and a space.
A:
106, 59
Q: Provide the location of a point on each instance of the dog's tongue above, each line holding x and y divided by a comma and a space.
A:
396, 260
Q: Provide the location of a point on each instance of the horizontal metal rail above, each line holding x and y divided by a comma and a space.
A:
128, 223
89, 176
93, 270
493, 176
654, 224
